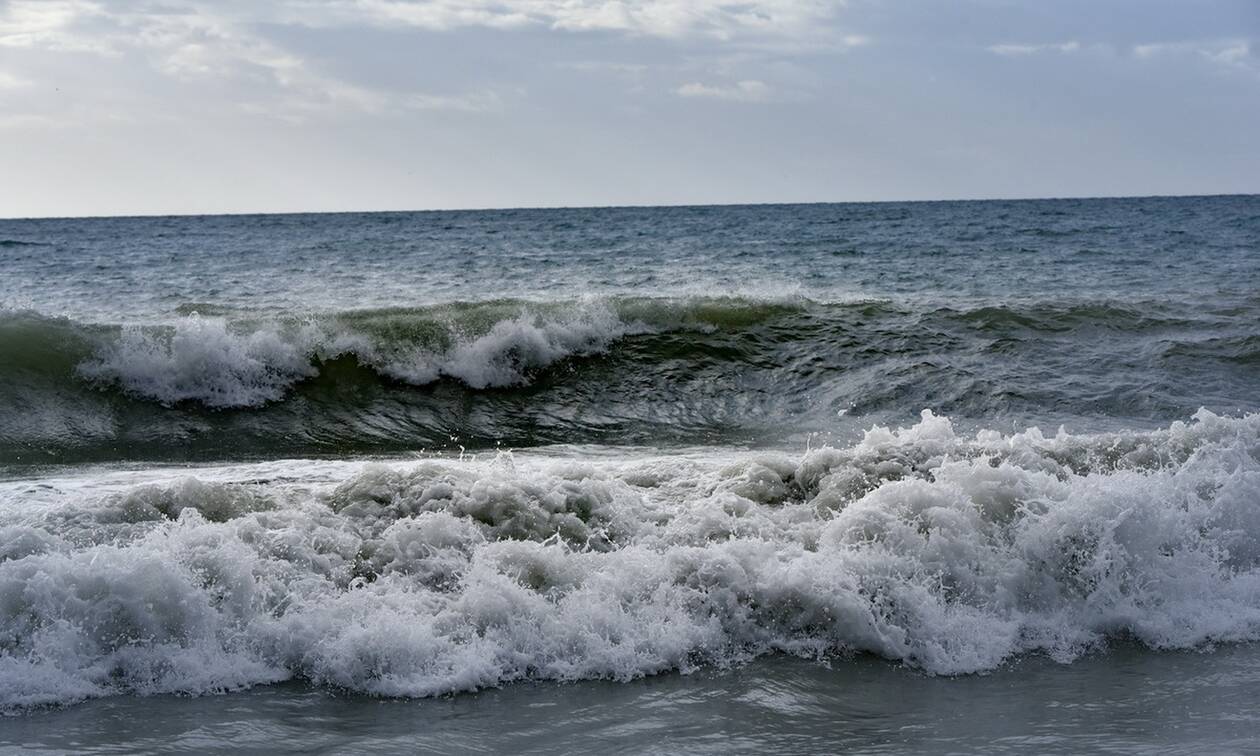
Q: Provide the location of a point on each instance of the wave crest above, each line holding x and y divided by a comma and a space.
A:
211, 361
625, 370
201, 360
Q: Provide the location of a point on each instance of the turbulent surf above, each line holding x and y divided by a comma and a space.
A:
421, 453
948, 553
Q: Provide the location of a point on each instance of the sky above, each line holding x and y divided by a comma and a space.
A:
120, 107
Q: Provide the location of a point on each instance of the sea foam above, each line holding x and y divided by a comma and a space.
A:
222, 364
949, 553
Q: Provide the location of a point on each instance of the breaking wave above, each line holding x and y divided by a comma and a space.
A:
206, 360
221, 362
949, 552
602, 370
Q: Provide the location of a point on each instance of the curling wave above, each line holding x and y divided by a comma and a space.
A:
224, 362
612, 370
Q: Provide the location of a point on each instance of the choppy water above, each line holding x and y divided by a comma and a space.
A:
419, 454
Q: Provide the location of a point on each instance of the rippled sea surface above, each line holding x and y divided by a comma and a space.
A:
944, 476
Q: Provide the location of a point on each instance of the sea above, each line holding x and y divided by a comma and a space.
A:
929, 477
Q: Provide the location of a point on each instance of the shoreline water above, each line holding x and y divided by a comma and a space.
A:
950, 552
1126, 700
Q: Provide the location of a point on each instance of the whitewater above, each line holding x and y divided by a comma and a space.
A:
945, 552
670, 459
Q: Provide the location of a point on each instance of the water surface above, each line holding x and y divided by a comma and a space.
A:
940, 477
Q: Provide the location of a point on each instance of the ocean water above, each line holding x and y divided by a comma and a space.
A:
941, 477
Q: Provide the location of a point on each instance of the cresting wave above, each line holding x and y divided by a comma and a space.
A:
230, 384
225, 362
220, 364
948, 553
601, 370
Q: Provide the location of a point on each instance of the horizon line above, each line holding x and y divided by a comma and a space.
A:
645, 206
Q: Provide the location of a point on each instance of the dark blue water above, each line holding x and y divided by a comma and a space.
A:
940, 449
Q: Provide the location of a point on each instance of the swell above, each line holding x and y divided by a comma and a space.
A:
948, 552
224, 383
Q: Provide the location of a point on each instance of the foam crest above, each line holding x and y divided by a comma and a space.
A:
201, 360
513, 350
222, 364
950, 553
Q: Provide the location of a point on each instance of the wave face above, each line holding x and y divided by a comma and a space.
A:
948, 552
599, 370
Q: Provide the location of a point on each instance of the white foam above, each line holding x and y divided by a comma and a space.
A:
202, 360
948, 553
511, 350
218, 364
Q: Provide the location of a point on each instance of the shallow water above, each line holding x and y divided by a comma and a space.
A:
1126, 701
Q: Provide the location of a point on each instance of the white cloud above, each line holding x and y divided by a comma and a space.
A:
79, 24
719, 19
1230, 54
748, 90
1235, 54
50, 25
1010, 50
9, 81
224, 43
473, 102
197, 42
437, 15
605, 66
1151, 50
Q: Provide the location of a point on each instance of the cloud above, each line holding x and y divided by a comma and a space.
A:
230, 45
212, 44
51, 25
604, 66
9, 81
472, 102
1229, 54
748, 90
718, 19
1011, 50
1232, 55
98, 25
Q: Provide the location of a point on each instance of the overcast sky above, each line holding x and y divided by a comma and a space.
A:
177, 106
